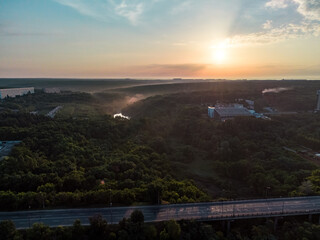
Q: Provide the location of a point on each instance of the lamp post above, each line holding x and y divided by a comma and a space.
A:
233, 211
29, 217
110, 203
222, 209
42, 195
267, 190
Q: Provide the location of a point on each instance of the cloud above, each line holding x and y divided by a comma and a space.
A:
132, 12
277, 4
310, 9
267, 24
273, 35
82, 8
270, 33
108, 9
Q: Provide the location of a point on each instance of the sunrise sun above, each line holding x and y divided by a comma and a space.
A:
219, 53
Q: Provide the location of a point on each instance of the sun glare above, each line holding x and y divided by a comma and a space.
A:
219, 53
220, 56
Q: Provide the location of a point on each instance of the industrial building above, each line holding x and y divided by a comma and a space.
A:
226, 112
230, 112
13, 92
318, 103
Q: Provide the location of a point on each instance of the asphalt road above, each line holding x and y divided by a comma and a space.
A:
197, 211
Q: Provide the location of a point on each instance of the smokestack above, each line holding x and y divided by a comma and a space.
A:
318, 103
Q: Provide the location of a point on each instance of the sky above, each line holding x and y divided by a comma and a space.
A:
231, 39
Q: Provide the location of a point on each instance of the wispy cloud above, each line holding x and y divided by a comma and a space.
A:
108, 9
277, 3
273, 35
132, 12
82, 7
267, 24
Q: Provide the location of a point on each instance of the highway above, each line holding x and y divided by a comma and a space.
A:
209, 211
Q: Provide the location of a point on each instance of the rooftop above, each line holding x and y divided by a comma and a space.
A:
226, 112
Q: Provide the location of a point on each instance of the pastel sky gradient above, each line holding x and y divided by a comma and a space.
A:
253, 39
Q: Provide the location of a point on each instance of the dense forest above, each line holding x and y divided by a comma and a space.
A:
243, 157
170, 151
73, 162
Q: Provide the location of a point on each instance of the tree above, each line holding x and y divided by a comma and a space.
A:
137, 217
39, 231
150, 232
164, 235
173, 229
77, 230
135, 225
7, 230
98, 227
61, 233
112, 236
306, 188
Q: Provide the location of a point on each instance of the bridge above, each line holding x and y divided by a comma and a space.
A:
207, 211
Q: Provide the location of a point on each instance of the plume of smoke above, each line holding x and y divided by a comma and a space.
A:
275, 90
135, 98
120, 115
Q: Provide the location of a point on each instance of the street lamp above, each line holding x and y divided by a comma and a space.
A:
29, 217
110, 203
233, 210
42, 195
267, 189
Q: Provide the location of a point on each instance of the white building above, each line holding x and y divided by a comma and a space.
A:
13, 92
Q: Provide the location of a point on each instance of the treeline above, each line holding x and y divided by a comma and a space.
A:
169, 190
135, 228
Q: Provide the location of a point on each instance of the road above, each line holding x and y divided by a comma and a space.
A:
198, 211
6, 148
53, 112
